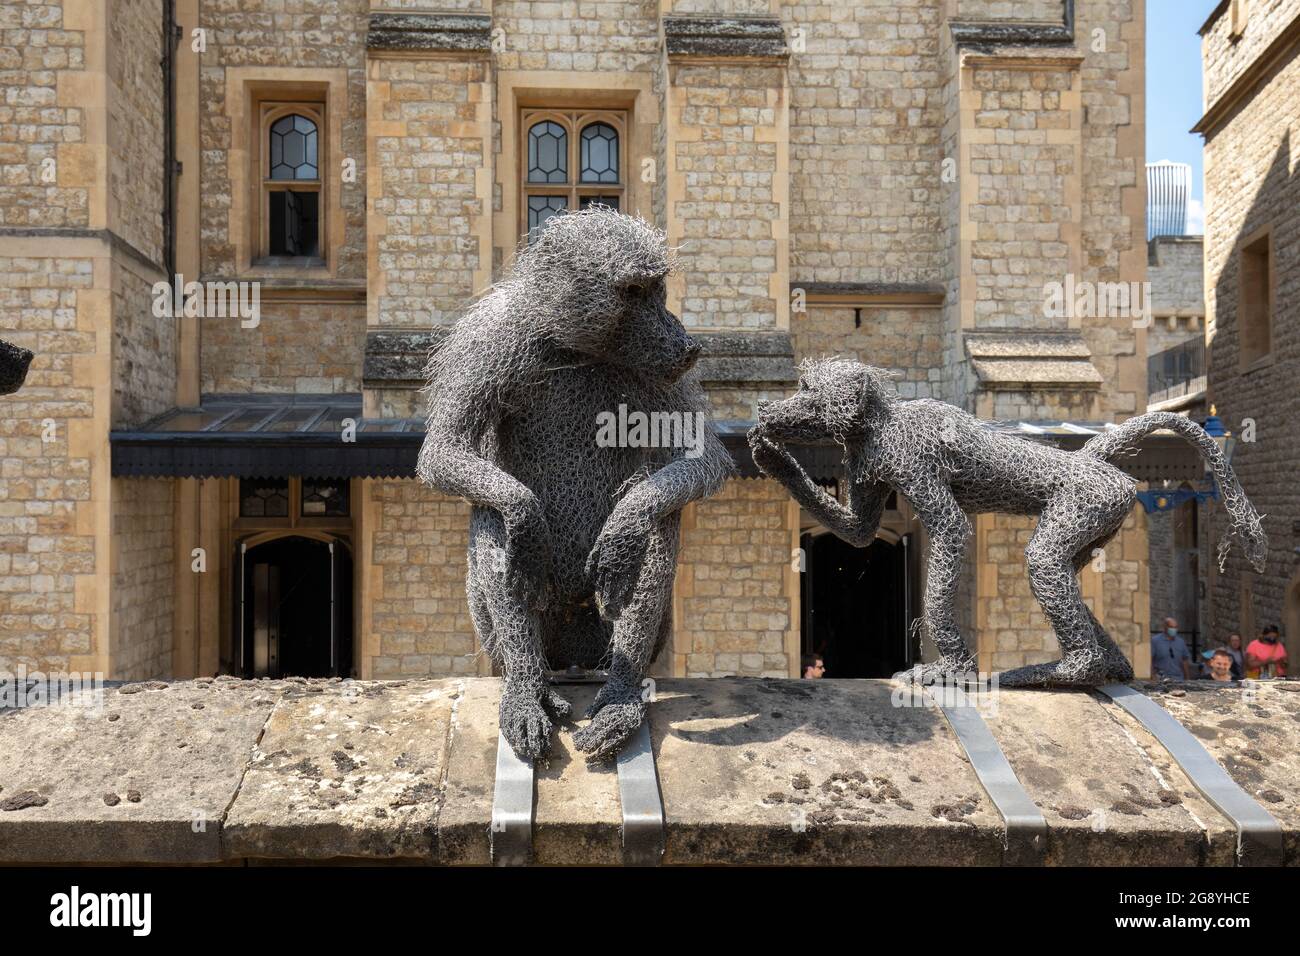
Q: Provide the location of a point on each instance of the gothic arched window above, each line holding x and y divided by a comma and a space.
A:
575, 160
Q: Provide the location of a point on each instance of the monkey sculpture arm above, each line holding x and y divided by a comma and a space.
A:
616, 558
856, 526
451, 461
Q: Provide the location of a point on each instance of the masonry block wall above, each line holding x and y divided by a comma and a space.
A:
80, 135
416, 619
306, 341
48, 552
906, 340
818, 159
144, 571
1251, 186
728, 187
865, 157
734, 605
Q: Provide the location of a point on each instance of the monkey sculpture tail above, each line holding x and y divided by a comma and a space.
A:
1245, 523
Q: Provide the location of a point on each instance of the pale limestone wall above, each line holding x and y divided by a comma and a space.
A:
429, 156
144, 347
144, 575
297, 347
303, 39
1054, 405
1024, 163
733, 604
721, 7
1225, 58
423, 6
726, 200
865, 115
1014, 629
1112, 230
417, 621
36, 124
1177, 276
1050, 11
615, 35
1250, 183
136, 127
907, 340
47, 531
741, 404
1169, 331
735, 610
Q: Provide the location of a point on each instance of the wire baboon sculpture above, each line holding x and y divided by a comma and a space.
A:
573, 539
949, 466
13, 367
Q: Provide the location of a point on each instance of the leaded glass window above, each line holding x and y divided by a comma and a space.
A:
548, 153
324, 497
540, 209
264, 497
575, 160
292, 151
599, 153
294, 148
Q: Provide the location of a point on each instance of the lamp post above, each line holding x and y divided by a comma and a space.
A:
1222, 437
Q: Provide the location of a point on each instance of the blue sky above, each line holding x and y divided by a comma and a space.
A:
1174, 89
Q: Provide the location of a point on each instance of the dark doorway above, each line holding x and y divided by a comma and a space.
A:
855, 606
296, 608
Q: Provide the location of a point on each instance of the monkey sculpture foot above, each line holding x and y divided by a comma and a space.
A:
1080, 669
615, 716
943, 670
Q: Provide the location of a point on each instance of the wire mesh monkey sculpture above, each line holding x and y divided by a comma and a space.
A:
573, 539
949, 466
13, 367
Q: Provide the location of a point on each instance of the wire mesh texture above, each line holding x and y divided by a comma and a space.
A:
572, 540
950, 466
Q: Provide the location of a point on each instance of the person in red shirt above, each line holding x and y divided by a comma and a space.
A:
1266, 655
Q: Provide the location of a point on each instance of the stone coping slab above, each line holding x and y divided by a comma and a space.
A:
751, 771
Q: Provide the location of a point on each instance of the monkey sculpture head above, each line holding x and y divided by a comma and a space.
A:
836, 401
596, 282
13, 367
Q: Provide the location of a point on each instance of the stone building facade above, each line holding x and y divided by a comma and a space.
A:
1176, 382
895, 180
1251, 57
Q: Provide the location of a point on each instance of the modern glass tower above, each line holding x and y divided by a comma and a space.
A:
1169, 185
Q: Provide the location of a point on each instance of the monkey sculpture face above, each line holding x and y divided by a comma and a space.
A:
610, 270
833, 403
13, 367
649, 338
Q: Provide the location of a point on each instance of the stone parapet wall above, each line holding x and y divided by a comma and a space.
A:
756, 772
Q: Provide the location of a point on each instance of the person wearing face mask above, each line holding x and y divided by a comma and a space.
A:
1169, 655
1266, 655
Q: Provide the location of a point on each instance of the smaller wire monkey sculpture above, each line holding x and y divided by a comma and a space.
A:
949, 466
